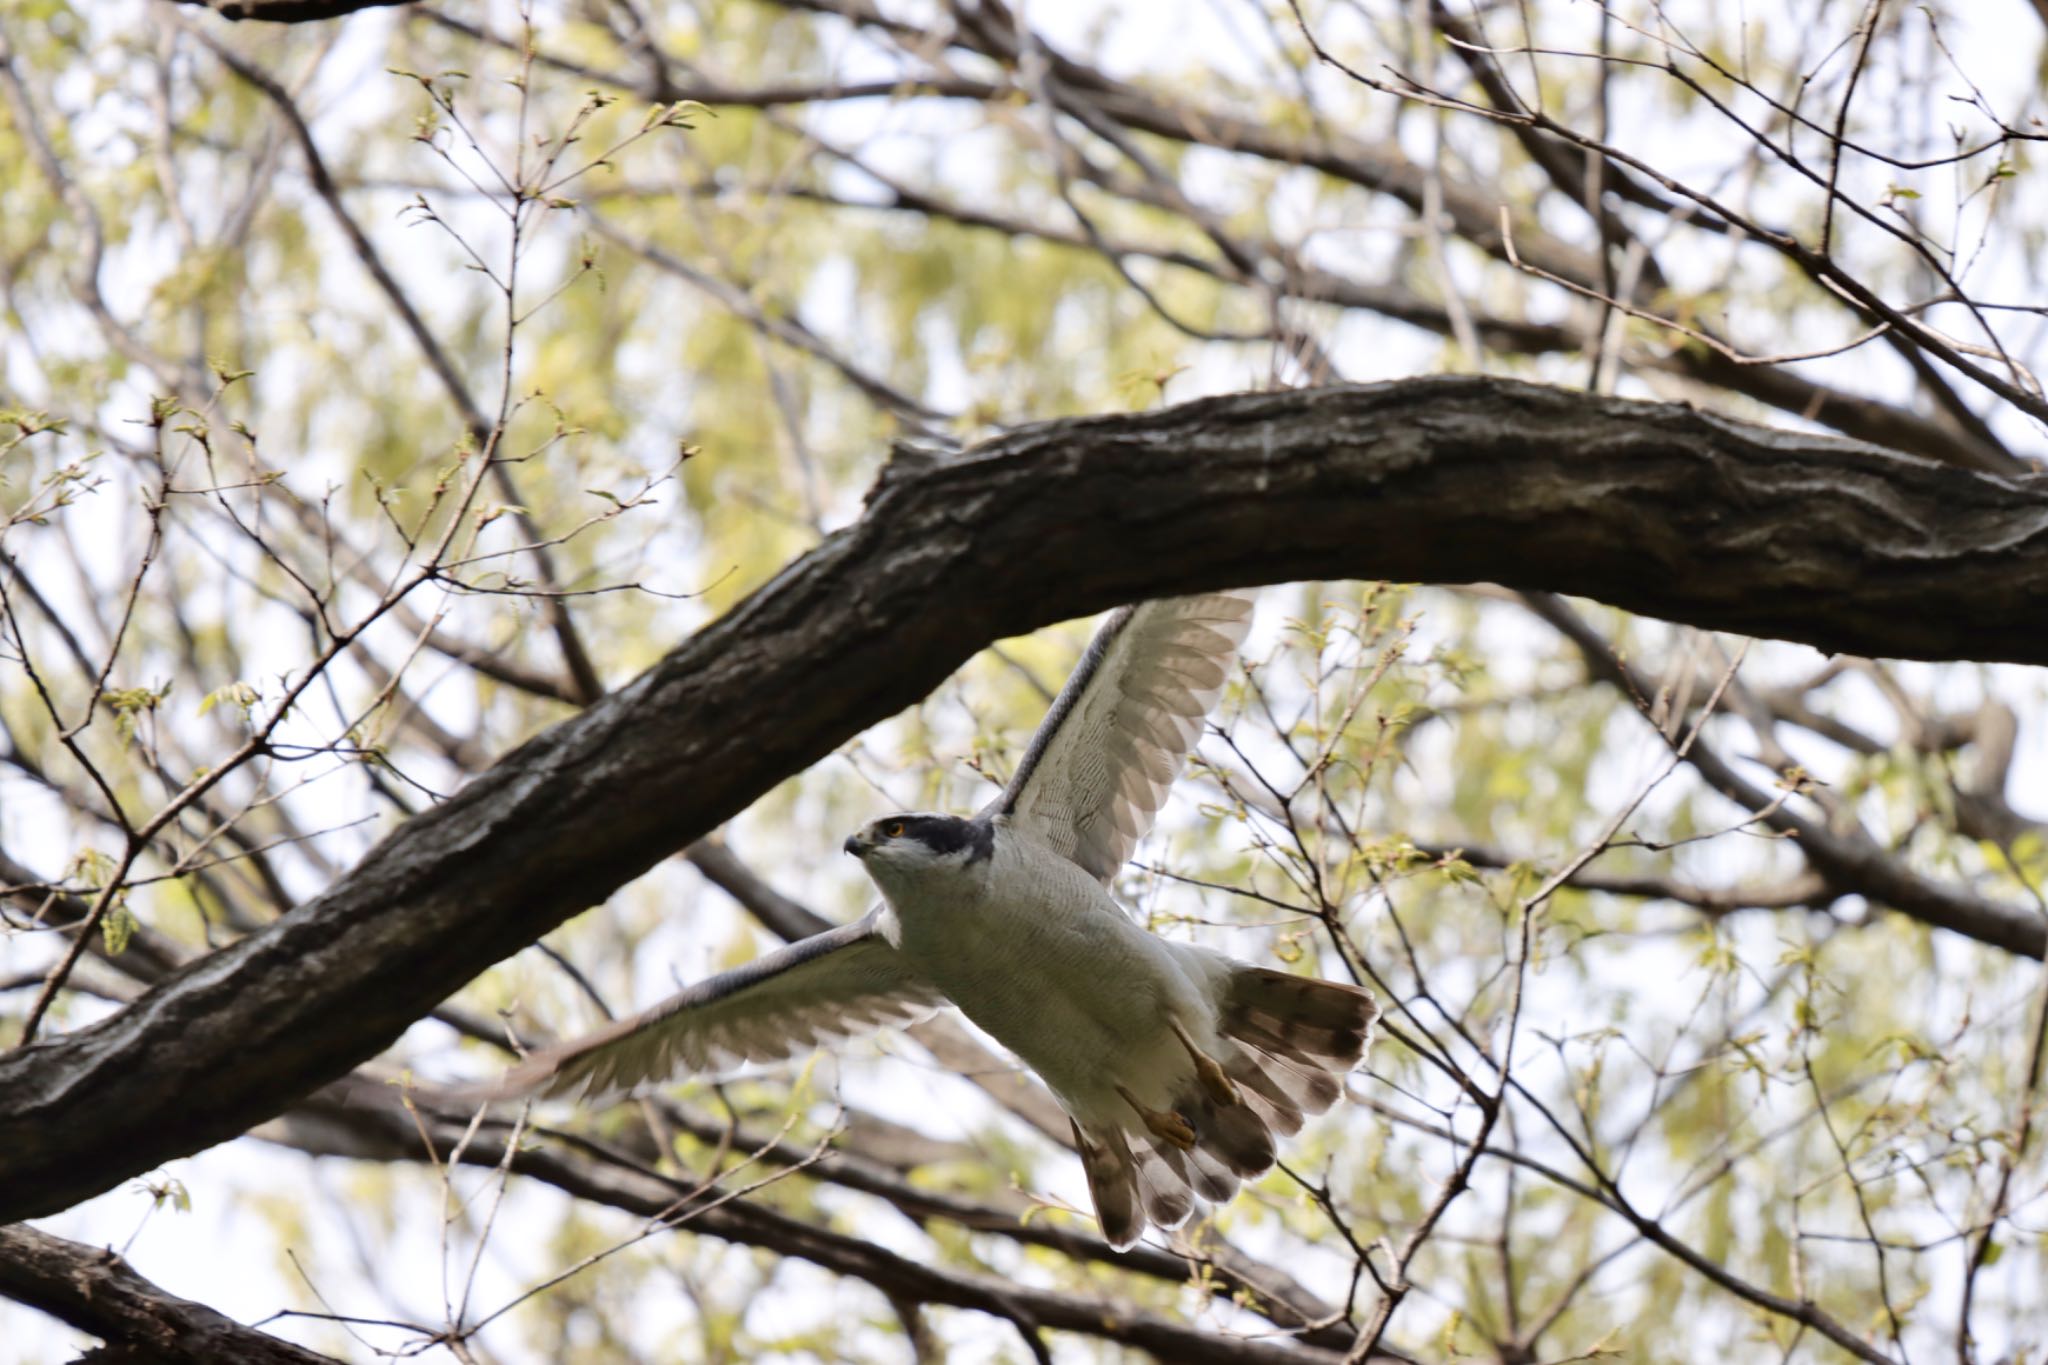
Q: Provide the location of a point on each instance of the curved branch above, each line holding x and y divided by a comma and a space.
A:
96, 1291
1652, 507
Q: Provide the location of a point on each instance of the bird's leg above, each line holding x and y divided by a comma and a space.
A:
1168, 1127
1207, 1069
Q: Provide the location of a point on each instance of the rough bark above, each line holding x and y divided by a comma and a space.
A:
96, 1291
1653, 507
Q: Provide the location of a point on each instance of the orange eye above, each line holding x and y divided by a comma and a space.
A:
895, 829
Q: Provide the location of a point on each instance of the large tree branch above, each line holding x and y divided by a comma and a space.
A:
1652, 507
96, 1291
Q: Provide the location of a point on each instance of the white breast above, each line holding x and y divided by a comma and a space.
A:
1037, 953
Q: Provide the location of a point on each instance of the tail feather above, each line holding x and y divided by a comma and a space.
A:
1266, 1094
1286, 1042
1211, 1181
1235, 1136
1303, 1084
1212, 1169
1322, 1024
1164, 1187
1112, 1183
1281, 1120
1321, 1047
1306, 999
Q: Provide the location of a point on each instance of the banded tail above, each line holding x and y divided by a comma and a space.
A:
1286, 1044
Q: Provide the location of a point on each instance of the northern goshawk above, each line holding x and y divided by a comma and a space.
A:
1176, 1064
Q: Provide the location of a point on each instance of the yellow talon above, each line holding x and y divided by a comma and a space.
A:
1208, 1070
1167, 1127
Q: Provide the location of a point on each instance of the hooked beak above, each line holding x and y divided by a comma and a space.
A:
854, 845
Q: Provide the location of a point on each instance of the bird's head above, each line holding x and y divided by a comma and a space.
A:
920, 844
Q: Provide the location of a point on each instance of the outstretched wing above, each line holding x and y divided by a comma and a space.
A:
838, 984
1108, 751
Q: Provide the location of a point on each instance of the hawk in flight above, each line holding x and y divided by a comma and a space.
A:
1176, 1064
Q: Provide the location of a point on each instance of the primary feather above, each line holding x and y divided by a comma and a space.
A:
1109, 749
835, 985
